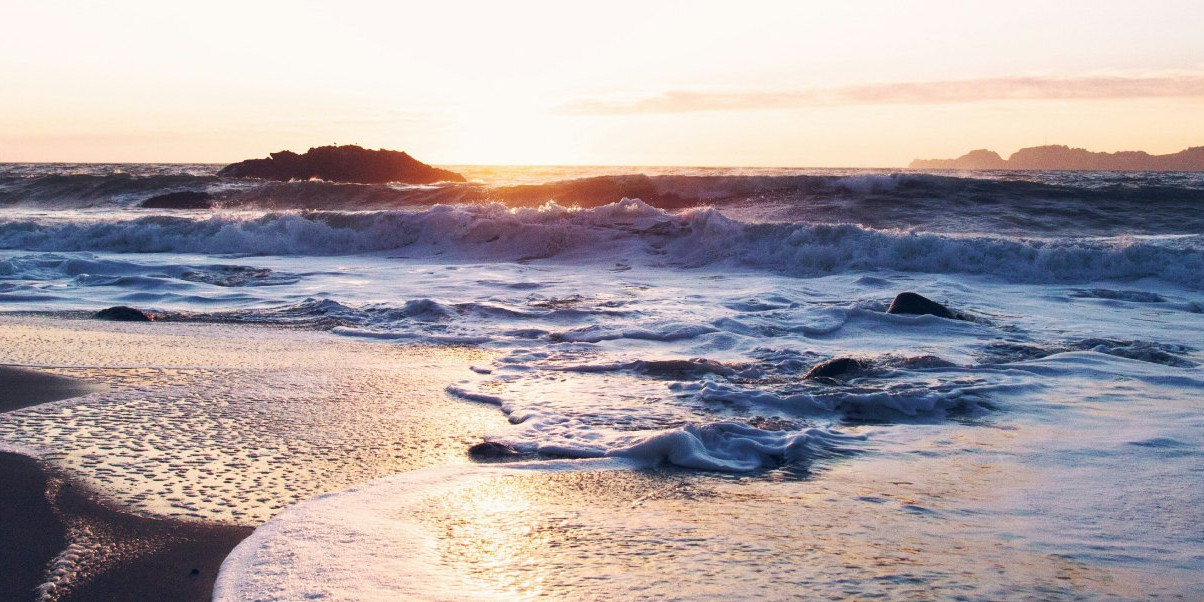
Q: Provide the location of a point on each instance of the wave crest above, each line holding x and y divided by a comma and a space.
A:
628, 230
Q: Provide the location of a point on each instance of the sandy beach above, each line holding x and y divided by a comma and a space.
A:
156, 558
90, 524
143, 558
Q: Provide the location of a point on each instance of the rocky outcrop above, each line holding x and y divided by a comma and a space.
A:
188, 199
348, 164
976, 159
1058, 157
123, 313
912, 303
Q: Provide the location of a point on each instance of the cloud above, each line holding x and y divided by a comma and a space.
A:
912, 93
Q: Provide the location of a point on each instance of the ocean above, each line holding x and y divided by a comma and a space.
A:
642, 337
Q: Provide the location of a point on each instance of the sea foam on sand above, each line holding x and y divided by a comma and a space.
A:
934, 510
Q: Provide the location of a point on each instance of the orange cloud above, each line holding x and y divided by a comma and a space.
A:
933, 92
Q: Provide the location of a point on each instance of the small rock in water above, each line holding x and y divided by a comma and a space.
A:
123, 313
492, 450
912, 303
837, 366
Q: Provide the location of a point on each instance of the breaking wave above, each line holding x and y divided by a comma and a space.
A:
1014, 202
629, 230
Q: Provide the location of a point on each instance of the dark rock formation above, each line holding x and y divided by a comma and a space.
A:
350, 164
122, 313
1058, 157
911, 303
975, 159
837, 366
188, 199
492, 450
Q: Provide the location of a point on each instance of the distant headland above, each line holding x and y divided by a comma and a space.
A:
1058, 157
348, 164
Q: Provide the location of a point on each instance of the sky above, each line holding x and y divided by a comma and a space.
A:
808, 84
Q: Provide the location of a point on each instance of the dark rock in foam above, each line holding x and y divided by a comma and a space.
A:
123, 313
188, 199
837, 366
348, 164
492, 450
912, 303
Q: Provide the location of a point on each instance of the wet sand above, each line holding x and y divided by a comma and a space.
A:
130, 557
32, 534
23, 387
139, 558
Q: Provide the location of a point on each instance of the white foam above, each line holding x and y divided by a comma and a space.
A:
732, 446
364, 543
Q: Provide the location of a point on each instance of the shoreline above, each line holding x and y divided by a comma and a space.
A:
106, 553
121, 556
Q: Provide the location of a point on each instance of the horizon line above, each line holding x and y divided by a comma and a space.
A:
632, 165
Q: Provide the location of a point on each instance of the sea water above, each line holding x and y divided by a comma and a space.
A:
646, 333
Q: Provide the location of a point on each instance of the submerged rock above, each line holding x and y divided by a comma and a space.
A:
123, 313
693, 367
188, 199
837, 366
912, 303
1131, 296
348, 164
922, 362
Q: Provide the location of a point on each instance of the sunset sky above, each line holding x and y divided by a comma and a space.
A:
634, 83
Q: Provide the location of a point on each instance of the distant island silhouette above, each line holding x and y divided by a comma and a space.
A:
349, 164
1059, 157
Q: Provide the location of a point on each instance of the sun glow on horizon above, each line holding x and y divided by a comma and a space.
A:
864, 84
